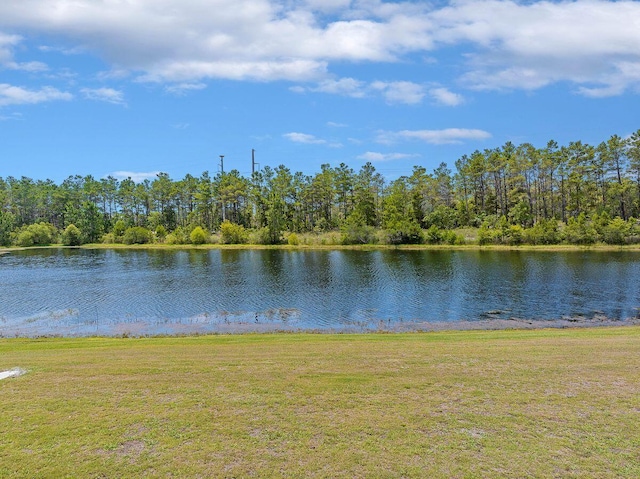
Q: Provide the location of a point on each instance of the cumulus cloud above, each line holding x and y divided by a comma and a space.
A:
135, 176
31, 67
304, 138
310, 140
400, 92
534, 44
434, 137
108, 95
444, 96
375, 156
15, 95
404, 92
505, 44
7, 45
344, 86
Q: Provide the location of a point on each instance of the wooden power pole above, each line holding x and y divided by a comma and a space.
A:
224, 216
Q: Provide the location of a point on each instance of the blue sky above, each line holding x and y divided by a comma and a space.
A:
134, 87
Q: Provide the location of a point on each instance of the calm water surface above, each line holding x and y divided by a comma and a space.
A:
83, 292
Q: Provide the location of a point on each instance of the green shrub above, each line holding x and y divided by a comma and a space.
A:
293, 239
39, 234
109, 238
261, 236
198, 236
356, 231
600, 222
616, 232
515, 235
6, 227
634, 231
25, 239
433, 235
579, 231
442, 217
119, 228
452, 238
178, 236
137, 235
161, 232
72, 236
404, 232
543, 232
232, 233
488, 235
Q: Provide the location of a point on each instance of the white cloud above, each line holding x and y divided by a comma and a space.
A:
375, 156
444, 96
534, 44
344, 86
108, 95
506, 44
400, 91
32, 67
405, 92
304, 138
11, 116
64, 51
113, 74
183, 88
15, 95
193, 40
333, 124
434, 137
135, 176
7, 44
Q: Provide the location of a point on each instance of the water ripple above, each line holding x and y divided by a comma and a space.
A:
79, 292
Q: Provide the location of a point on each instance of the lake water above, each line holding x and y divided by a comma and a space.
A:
111, 292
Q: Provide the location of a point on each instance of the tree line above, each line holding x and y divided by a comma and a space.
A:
576, 193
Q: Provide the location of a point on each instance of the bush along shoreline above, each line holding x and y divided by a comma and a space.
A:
582, 231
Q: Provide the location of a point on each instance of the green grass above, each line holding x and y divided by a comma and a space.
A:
547, 403
330, 246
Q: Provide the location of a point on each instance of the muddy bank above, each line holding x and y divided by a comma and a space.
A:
487, 324
515, 323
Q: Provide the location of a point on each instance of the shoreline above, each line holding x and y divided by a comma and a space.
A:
338, 247
370, 247
137, 330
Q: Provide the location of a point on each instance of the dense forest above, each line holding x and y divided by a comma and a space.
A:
577, 193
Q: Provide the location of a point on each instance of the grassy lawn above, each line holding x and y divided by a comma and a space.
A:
546, 403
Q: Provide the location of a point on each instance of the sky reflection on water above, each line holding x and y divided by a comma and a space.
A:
112, 292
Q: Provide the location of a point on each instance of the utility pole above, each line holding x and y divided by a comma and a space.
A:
224, 216
253, 161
